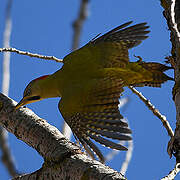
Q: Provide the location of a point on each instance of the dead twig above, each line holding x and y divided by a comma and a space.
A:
7, 157
154, 111
31, 54
78, 23
173, 173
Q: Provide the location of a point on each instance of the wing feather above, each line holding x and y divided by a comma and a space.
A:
108, 143
98, 117
111, 49
92, 109
87, 143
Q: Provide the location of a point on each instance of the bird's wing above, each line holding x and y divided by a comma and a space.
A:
111, 49
96, 115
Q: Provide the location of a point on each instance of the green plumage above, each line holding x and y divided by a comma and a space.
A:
91, 81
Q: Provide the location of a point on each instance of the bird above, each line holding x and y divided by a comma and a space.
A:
92, 80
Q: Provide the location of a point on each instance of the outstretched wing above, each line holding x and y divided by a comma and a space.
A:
95, 115
111, 49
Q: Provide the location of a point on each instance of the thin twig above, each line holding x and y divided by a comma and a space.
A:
172, 15
6, 57
77, 27
173, 173
154, 111
31, 54
128, 157
7, 157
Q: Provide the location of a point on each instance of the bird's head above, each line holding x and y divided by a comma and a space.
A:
33, 92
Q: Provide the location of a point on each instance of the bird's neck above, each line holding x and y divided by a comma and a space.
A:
50, 87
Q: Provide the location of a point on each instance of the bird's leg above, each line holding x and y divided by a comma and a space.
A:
170, 60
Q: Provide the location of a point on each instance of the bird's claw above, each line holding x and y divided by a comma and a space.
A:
170, 147
174, 148
139, 58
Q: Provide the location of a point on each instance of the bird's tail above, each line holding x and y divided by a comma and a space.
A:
158, 75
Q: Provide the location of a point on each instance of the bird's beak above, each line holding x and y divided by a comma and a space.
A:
21, 103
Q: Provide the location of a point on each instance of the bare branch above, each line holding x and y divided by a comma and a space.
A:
128, 157
63, 159
154, 111
78, 23
6, 43
173, 173
31, 54
7, 157
172, 15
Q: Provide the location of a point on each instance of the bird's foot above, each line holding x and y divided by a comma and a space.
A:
170, 60
139, 58
174, 148
170, 146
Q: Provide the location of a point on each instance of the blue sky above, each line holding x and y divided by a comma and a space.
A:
45, 27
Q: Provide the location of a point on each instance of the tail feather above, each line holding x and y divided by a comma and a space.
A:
154, 66
150, 84
158, 75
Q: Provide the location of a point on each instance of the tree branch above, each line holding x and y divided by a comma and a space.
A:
78, 23
7, 157
63, 159
173, 173
154, 111
31, 54
172, 14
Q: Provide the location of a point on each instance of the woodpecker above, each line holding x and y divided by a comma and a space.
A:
90, 84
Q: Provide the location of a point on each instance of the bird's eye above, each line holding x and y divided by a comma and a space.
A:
34, 98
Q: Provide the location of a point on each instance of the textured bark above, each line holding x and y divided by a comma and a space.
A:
172, 15
62, 158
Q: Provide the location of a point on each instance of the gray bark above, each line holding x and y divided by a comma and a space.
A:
62, 158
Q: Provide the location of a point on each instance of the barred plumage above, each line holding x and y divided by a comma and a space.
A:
130, 37
90, 84
97, 114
